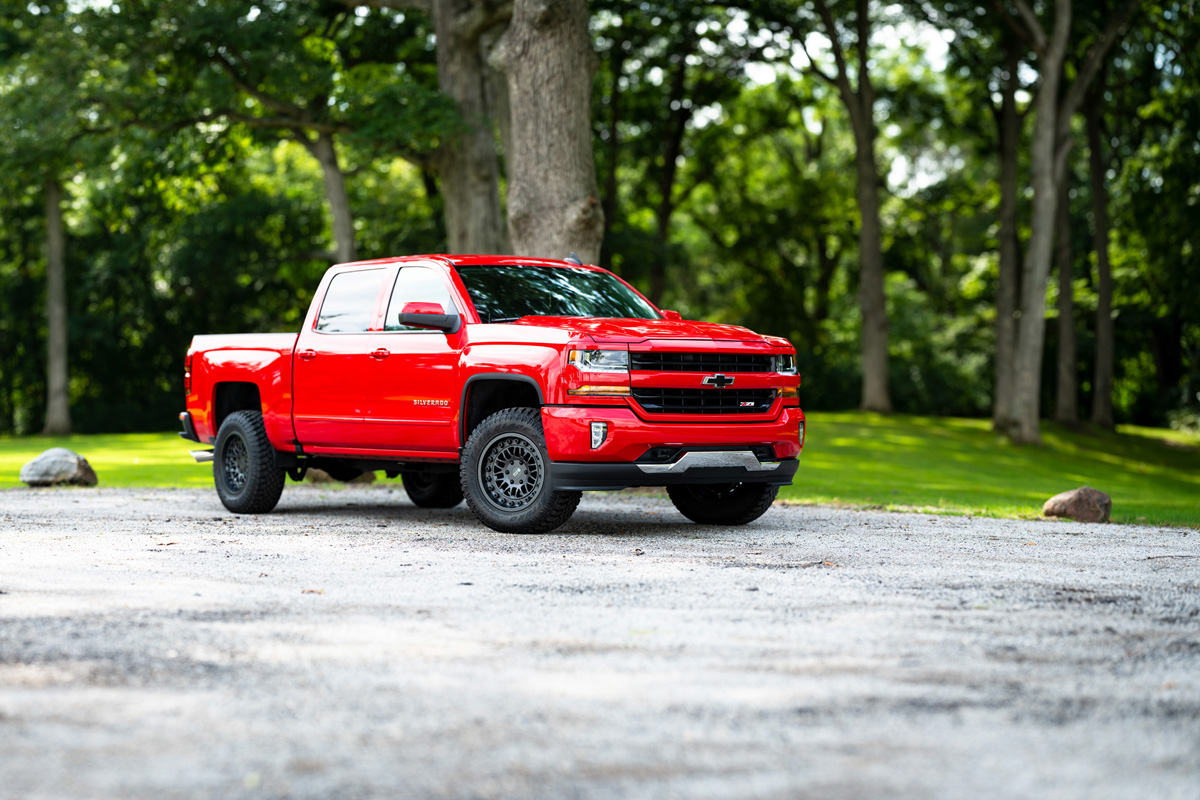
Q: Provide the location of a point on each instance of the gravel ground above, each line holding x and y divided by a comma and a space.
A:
352, 645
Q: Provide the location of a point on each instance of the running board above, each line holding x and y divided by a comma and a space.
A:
201, 456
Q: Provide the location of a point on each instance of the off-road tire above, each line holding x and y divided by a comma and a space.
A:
723, 504
432, 489
540, 509
248, 479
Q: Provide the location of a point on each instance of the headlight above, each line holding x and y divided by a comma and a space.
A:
785, 365
608, 361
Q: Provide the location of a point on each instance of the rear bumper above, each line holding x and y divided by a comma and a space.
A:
721, 467
189, 429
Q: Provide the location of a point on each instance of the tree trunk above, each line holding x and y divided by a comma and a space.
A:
335, 192
467, 163
871, 298
617, 67
675, 129
58, 408
547, 56
1031, 327
1102, 385
1009, 275
1066, 409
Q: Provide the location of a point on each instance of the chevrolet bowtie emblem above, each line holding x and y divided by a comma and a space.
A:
720, 381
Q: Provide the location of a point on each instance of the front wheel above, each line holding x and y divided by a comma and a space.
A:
244, 469
432, 489
505, 475
723, 503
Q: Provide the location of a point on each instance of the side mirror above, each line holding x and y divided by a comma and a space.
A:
675, 316
429, 315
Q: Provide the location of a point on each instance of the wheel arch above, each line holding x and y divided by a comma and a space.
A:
231, 396
486, 393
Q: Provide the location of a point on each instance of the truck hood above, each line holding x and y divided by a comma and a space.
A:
632, 331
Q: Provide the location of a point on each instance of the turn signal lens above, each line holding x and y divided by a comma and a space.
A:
599, 390
789, 391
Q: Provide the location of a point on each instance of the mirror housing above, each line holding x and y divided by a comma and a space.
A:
429, 315
674, 316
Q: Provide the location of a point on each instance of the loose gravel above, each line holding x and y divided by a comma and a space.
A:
352, 645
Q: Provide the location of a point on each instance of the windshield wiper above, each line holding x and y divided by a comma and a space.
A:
504, 319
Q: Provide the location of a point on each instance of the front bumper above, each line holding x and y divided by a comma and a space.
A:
693, 467
640, 452
568, 436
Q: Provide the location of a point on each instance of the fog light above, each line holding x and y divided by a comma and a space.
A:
599, 433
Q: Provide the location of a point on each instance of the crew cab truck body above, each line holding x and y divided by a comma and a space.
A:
516, 383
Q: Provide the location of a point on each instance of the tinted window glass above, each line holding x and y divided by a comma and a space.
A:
506, 293
416, 285
349, 302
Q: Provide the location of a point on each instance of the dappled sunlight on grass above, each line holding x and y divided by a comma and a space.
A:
961, 465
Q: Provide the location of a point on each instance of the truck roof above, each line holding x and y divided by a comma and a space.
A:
459, 260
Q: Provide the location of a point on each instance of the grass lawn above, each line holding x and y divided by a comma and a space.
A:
897, 462
961, 466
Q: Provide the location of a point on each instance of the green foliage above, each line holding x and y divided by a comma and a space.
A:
727, 172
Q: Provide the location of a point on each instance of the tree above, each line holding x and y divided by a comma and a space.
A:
318, 74
467, 161
851, 78
1048, 162
546, 55
669, 69
47, 118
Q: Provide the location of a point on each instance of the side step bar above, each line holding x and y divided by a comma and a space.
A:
201, 456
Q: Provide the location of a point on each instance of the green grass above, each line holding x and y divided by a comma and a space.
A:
955, 466
119, 459
960, 466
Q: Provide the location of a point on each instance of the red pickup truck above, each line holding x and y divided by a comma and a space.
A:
515, 383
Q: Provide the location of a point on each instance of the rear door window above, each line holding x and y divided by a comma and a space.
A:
349, 302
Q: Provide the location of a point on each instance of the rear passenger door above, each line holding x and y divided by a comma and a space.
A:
330, 374
413, 395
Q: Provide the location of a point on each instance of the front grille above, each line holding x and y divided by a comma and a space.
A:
699, 362
704, 401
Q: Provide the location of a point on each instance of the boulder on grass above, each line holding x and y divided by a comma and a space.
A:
58, 466
1084, 504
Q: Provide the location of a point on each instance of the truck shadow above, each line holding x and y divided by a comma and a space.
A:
634, 522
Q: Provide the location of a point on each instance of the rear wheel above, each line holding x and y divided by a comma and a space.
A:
505, 475
723, 503
244, 469
432, 489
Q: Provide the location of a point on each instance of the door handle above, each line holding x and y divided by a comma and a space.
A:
381, 354
307, 355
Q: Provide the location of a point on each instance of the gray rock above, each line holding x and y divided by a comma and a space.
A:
1084, 504
57, 466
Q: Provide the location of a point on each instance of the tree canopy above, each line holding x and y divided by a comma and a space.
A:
949, 207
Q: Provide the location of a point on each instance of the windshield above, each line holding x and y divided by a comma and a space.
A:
507, 293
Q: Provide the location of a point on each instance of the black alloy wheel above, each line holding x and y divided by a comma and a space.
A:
505, 474
247, 478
